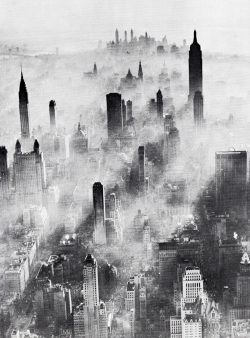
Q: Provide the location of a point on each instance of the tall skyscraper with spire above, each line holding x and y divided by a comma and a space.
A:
140, 73
24, 109
195, 69
159, 104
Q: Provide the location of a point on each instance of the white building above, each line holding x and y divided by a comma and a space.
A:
130, 297
189, 324
175, 327
90, 282
192, 284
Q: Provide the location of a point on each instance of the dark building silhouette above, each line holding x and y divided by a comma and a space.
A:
124, 114
198, 111
141, 158
24, 109
129, 110
117, 37
125, 37
4, 174
167, 263
129, 82
99, 213
114, 114
159, 104
230, 253
140, 73
52, 115
195, 69
95, 69
231, 170
161, 50
132, 35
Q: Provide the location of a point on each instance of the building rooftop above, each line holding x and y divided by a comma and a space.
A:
168, 246
90, 259
130, 286
193, 318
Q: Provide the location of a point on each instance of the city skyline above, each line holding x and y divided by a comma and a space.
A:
74, 26
125, 192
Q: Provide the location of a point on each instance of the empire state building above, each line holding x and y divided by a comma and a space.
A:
195, 69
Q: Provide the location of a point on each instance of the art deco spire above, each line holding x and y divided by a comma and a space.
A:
23, 108
23, 94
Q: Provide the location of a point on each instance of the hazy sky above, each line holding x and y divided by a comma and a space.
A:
222, 25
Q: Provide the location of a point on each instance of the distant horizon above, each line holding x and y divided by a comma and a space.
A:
222, 27
69, 44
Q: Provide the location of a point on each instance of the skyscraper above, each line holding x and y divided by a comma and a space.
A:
141, 159
140, 73
167, 263
124, 114
91, 297
198, 110
132, 35
29, 175
129, 109
192, 284
95, 69
116, 36
24, 109
195, 68
243, 282
159, 104
52, 115
4, 174
231, 181
90, 282
90, 318
125, 37
114, 114
99, 213
80, 318
103, 328
189, 324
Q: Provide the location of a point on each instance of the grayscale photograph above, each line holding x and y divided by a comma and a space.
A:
124, 169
